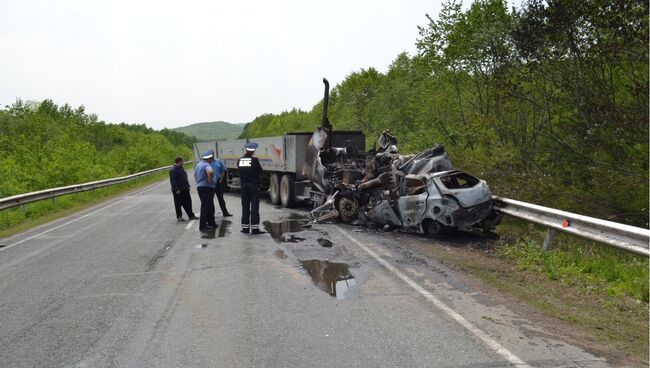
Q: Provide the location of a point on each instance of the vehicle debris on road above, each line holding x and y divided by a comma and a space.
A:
383, 188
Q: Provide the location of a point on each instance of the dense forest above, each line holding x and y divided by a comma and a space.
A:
43, 145
548, 102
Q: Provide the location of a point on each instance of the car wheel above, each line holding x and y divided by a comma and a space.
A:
433, 228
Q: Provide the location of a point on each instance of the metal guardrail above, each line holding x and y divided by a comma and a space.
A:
622, 236
22, 199
630, 238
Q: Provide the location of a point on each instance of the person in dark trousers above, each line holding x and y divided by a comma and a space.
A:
203, 174
249, 175
181, 190
219, 174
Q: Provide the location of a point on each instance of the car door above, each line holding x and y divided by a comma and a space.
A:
413, 203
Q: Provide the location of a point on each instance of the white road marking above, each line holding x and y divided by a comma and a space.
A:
78, 218
189, 225
479, 334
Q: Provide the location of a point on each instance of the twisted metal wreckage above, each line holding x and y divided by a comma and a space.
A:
382, 188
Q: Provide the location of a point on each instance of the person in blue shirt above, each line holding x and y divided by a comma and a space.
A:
204, 176
219, 176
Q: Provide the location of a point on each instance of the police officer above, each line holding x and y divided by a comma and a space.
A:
219, 176
204, 175
249, 175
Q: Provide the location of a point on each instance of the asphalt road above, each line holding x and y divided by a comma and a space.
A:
124, 285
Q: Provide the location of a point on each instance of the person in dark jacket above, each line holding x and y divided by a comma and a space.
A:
181, 190
249, 169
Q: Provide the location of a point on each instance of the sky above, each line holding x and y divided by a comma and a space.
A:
172, 63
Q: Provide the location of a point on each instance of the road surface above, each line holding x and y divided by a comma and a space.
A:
124, 285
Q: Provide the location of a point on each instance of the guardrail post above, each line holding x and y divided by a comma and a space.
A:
550, 235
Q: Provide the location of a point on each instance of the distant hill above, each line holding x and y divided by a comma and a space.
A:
211, 131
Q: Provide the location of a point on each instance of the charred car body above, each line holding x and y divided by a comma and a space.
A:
421, 193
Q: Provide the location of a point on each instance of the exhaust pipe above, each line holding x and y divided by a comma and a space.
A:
326, 121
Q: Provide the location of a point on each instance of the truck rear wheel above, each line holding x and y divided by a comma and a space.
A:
287, 191
274, 188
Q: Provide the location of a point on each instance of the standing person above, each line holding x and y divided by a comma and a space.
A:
203, 174
249, 175
219, 176
181, 190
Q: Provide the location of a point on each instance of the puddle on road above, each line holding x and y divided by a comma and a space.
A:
296, 216
209, 235
325, 243
278, 229
224, 225
331, 277
292, 239
280, 254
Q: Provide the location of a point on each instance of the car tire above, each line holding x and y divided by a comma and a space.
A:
433, 228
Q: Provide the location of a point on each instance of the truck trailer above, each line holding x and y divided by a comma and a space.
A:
283, 159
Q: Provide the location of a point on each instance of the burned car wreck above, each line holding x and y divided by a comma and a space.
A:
421, 193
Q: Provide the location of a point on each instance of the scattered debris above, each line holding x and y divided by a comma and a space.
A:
383, 189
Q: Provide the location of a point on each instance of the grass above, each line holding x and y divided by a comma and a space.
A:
575, 261
18, 219
593, 295
596, 293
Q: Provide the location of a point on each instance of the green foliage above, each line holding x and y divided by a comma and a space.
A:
43, 146
212, 131
620, 273
548, 103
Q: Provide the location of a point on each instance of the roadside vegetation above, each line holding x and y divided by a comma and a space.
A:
43, 145
595, 295
547, 102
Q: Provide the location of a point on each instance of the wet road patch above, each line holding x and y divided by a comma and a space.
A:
325, 243
330, 277
292, 239
210, 234
277, 230
224, 226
